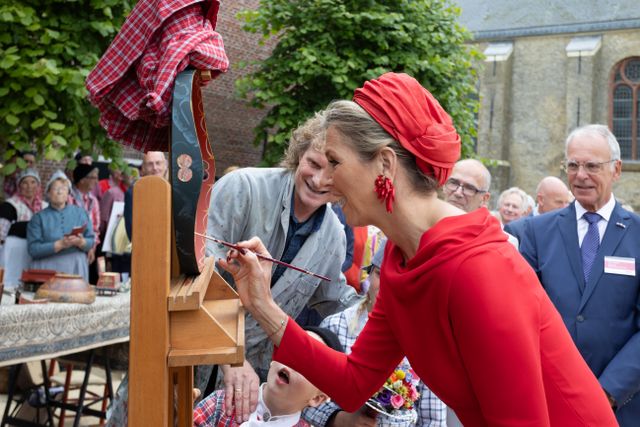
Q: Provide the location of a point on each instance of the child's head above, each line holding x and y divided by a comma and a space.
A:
287, 391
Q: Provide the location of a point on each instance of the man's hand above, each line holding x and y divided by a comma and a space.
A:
360, 418
241, 390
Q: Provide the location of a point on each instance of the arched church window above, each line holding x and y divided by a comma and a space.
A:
624, 110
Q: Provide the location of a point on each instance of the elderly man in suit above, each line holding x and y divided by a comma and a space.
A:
585, 256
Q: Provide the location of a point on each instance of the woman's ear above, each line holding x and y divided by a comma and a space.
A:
389, 162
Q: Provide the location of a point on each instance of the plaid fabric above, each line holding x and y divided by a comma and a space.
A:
132, 83
89, 203
25, 208
210, 413
347, 325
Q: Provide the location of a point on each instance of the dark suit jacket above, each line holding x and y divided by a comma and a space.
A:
603, 315
516, 228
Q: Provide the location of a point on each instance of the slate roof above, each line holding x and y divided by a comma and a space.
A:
495, 19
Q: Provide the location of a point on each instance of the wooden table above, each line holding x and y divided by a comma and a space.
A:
43, 331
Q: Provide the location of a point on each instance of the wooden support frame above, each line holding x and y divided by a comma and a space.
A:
177, 322
149, 331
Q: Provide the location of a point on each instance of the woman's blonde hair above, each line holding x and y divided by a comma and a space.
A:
309, 134
367, 138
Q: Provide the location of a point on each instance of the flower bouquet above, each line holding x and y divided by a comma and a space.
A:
398, 395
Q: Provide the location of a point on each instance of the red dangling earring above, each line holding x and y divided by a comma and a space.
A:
385, 191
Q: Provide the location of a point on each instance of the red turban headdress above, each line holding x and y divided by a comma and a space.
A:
412, 116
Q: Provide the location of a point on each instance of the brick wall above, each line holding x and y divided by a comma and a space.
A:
47, 167
229, 121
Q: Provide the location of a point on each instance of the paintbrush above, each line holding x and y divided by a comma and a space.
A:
266, 258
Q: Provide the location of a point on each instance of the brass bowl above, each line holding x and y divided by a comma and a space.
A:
67, 288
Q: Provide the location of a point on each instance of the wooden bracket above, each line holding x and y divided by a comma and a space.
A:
207, 320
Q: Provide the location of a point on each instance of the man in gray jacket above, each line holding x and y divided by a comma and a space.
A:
287, 208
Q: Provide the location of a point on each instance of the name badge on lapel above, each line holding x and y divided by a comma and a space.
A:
620, 265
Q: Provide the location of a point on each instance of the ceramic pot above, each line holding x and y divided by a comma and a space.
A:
67, 288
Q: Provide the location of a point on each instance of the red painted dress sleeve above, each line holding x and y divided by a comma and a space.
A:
495, 317
349, 380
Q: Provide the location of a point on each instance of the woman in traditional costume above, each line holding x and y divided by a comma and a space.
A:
53, 242
15, 214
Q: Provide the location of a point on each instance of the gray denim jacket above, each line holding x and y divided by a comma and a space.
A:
256, 202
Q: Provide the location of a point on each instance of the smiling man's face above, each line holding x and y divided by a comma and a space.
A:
312, 183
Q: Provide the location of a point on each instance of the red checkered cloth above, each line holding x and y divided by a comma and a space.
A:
132, 83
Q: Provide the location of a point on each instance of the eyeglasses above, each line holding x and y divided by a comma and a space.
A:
468, 190
571, 166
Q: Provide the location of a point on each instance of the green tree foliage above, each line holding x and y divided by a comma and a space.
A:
327, 48
47, 49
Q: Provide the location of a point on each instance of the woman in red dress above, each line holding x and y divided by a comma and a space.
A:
455, 297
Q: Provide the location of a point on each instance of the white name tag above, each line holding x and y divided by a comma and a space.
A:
619, 265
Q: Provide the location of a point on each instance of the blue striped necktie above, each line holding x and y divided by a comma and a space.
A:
590, 243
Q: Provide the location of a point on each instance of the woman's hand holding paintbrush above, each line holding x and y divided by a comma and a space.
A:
252, 276
261, 254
